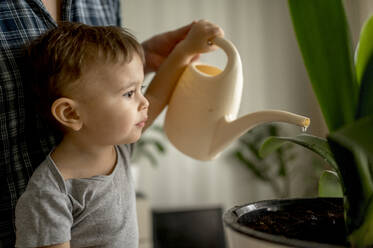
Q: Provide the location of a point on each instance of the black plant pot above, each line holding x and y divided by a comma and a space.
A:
307, 223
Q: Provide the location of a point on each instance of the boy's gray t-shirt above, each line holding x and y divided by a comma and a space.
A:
95, 212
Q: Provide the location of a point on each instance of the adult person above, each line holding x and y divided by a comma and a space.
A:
24, 139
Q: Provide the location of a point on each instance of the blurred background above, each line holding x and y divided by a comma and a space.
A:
274, 78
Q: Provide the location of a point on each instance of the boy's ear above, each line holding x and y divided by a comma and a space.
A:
66, 112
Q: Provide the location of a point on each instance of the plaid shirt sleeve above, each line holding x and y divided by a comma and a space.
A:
24, 139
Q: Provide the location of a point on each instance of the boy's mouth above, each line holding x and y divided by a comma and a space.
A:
142, 123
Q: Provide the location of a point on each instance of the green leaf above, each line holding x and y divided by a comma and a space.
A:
365, 49
313, 143
356, 188
364, 70
159, 146
352, 147
329, 185
282, 170
362, 236
358, 134
322, 33
365, 105
250, 147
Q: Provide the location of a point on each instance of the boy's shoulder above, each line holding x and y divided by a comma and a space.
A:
44, 189
46, 177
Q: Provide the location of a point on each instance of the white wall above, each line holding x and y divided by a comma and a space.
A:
274, 77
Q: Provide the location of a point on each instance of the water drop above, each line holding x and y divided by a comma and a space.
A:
304, 129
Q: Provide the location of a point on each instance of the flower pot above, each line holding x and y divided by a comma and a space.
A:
308, 223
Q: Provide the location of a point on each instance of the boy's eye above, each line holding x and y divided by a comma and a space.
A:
129, 94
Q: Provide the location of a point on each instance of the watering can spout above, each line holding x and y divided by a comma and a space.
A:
229, 130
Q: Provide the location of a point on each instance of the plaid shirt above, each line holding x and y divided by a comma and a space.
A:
24, 140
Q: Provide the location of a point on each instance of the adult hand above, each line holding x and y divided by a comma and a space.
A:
200, 36
160, 46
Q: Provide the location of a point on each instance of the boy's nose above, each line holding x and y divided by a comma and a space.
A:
144, 103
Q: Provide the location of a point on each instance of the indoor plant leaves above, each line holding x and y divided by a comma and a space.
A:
345, 98
316, 144
322, 33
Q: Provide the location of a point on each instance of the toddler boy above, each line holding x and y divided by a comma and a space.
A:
88, 84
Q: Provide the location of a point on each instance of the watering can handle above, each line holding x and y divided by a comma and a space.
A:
233, 60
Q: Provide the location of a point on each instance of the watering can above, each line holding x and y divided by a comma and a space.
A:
201, 116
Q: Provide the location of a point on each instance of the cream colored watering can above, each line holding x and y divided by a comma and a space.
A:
201, 116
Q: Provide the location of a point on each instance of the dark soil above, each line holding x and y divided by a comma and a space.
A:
321, 222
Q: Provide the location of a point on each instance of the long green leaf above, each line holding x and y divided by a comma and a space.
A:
352, 147
358, 134
362, 237
365, 105
323, 37
357, 190
365, 48
313, 143
364, 70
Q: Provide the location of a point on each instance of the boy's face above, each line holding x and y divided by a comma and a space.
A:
112, 106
